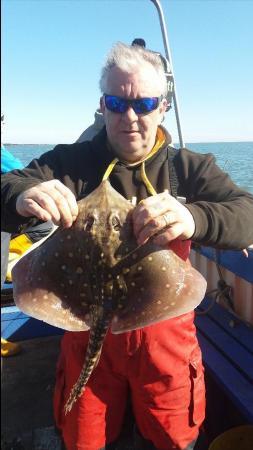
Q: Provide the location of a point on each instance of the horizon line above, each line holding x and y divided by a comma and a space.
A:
173, 143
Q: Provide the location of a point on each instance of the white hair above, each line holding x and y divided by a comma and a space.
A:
128, 59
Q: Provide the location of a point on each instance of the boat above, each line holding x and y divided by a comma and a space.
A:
224, 322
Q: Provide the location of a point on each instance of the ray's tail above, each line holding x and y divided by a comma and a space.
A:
98, 330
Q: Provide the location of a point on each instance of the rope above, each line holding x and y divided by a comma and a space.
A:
109, 169
151, 190
223, 291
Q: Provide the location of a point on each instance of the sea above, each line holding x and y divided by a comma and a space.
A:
235, 158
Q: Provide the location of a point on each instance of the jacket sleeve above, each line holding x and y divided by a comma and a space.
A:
223, 213
49, 166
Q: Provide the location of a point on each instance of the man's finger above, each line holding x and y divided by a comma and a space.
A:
31, 208
69, 196
54, 202
171, 233
154, 226
48, 203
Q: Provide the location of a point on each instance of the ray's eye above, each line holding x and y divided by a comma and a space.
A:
115, 223
88, 223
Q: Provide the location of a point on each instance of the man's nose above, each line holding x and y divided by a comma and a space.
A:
130, 114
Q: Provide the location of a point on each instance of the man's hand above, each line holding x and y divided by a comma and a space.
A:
163, 216
50, 200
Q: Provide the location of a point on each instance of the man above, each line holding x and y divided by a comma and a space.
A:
160, 364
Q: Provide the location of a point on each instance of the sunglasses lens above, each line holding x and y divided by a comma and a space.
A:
139, 105
115, 104
145, 105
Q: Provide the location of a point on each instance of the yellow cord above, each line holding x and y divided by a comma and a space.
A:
146, 181
110, 169
160, 140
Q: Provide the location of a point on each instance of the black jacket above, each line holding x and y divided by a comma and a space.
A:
223, 213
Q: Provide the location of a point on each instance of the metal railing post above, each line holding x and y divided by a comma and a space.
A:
168, 56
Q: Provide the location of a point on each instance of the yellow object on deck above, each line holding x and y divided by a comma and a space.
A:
9, 348
238, 438
18, 246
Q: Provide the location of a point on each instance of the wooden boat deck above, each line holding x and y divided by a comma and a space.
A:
27, 387
28, 380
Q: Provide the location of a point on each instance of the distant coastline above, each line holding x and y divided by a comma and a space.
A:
27, 145
175, 143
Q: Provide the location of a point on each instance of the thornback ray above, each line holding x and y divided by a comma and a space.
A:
95, 276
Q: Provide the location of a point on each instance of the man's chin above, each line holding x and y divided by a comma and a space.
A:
131, 154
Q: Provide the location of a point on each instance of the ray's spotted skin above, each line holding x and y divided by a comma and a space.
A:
95, 276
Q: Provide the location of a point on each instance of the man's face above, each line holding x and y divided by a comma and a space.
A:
133, 136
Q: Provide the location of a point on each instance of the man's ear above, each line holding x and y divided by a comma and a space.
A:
163, 105
162, 109
102, 105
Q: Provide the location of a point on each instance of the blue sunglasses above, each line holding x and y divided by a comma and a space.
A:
140, 105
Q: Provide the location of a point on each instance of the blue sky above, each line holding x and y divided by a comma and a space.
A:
53, 50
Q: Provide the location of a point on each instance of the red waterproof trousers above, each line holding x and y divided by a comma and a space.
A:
161, 364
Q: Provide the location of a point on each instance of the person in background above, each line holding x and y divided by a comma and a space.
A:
14, 246
7, 163
7, 348
93, 129
160, 365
